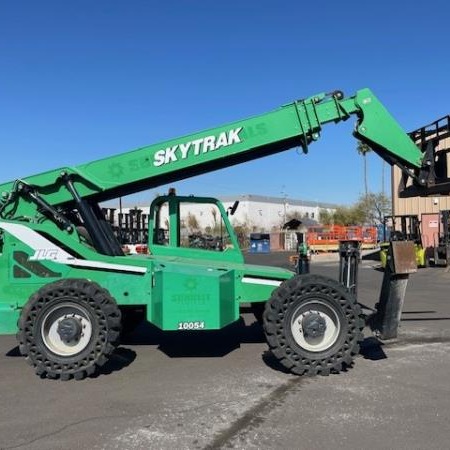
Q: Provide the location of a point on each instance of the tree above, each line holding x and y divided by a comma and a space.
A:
326, 217
192, 222
214, 216
242, 230
348, 215
217, 221
362, 149
370, 209
375, 207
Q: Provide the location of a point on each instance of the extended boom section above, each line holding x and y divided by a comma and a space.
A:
294, 125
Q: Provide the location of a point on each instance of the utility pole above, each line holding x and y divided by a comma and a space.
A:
284, 203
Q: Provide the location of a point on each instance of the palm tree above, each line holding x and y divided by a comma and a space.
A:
362, 149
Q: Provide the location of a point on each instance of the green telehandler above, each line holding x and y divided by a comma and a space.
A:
65, 282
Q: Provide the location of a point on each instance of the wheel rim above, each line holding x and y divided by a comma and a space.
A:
315, 326
66, 329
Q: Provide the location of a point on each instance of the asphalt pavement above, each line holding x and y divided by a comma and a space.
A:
224, 389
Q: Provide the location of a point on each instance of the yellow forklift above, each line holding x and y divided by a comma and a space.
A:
403, 228
442, 246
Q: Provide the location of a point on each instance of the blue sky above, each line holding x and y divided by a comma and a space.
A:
82, 80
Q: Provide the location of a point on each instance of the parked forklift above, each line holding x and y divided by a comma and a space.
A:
442, 246
403, 228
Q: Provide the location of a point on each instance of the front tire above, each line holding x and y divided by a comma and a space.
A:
313, 325
68, 329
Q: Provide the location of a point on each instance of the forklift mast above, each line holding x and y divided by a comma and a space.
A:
430, 139
403, 228
442, 241
444, 224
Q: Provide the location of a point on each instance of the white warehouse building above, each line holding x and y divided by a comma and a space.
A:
259, 213
266, 214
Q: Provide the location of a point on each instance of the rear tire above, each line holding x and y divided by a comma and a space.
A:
68, 329
313, 325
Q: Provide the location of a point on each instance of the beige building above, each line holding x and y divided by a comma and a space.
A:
426, 208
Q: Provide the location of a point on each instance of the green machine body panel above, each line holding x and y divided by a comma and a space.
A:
189, 298
205, 293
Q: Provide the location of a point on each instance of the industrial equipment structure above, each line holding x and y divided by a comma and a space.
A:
65, 281
326, 238
441, 253
427, 209
403, 228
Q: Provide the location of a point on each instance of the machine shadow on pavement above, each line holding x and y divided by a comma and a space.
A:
372, 349
121, 358
208, 344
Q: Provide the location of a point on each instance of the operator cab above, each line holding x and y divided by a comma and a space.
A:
193, 227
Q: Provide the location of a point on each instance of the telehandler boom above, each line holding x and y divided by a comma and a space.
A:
65, 282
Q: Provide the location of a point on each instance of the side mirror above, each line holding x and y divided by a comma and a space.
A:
233, 208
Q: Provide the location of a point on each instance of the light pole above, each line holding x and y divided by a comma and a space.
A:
284, 203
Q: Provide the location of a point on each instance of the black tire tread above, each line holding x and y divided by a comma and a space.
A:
98, 300
275, 312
